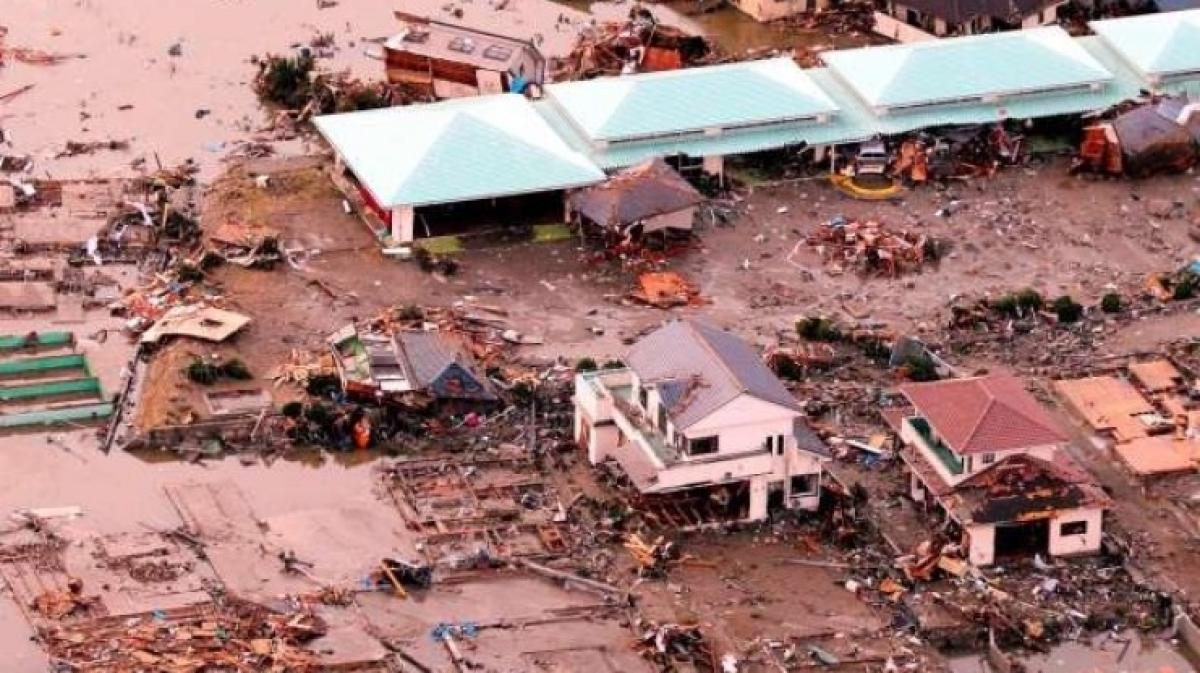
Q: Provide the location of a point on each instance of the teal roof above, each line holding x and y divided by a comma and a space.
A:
965, 68
680, 101
462, 150
1156, 45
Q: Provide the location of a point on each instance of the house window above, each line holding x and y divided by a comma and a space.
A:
644, 398
779, 445
463, 45
804, 484
988, 458
497, 53
702, 446
1073, 528
662, 416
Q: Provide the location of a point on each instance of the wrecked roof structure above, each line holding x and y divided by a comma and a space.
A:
699, 368
638, 194
1162, 48
983, 414
430, 362
453, 151
1023, 487
1152, 141
975, 69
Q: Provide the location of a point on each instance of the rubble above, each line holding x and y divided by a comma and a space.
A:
641, 44
870, 248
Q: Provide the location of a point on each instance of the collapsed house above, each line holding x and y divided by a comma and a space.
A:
695, 410
646, 198
382, 367
983, 451
1159, 137
450, 61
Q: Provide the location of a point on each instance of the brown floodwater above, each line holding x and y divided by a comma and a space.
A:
1128, 653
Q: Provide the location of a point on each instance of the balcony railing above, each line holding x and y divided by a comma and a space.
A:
952, 462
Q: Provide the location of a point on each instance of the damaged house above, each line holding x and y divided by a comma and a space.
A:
1160, 137
984, 451
452, 61
408, 364
696, 412
646, 198
917, 20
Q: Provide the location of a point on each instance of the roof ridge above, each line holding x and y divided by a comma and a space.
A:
694, 327
991, 402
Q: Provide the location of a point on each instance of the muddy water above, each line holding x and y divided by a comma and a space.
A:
129, 87
1129, 654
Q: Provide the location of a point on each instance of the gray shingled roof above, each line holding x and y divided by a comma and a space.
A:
428, 355
706, 368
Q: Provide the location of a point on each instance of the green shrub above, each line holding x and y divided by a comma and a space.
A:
1006, 306
285, 81
1185, 288
189, 273
410, 312
1111, 303
1029, 300
614, 364
920, 368
204, 373
236, 370
1067, 310
818, 329
586, 365
292, 409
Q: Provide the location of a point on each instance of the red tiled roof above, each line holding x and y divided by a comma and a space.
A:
983, 414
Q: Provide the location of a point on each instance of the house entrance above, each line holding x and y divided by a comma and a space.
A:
1022, 539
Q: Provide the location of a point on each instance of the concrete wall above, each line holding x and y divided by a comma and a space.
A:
770, 10
896, 29
983, 544
1087, 543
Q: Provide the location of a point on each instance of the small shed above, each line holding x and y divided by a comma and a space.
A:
651, 195
1152, 142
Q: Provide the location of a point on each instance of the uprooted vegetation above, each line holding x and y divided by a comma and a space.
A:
295, 83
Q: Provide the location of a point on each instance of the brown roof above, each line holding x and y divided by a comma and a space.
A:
638, 193
983, 414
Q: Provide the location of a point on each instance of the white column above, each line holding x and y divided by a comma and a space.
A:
402, 224
715, 165
758, 498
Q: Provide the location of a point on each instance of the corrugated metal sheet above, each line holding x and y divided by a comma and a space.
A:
453, 151
637, 106
1037, 59
1155, 44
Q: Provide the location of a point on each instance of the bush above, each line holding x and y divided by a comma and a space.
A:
1029, 300
1185, 288
1006, 306
586, 365
410, 312
285, 81
614, 364
202, 372
1111, 303
1067, 310
818, 329
920, 368
787, 368
292, 409
236, 370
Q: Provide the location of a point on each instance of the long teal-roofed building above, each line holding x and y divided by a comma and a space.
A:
497, 146
1163, 49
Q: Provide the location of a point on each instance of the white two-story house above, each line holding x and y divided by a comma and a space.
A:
987, 453
696, 408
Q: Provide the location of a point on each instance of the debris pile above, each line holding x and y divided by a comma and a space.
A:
237, 635
870, 248
666, 289
641, 44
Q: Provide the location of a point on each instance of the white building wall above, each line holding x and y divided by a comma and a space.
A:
983, 544
1085, 543
744, 425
